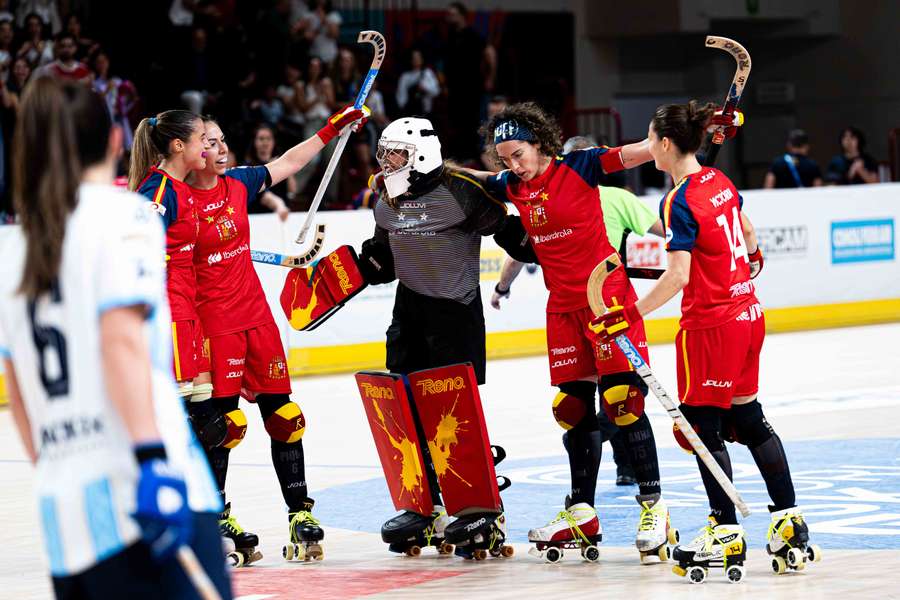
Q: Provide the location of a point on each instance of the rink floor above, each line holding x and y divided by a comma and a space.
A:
833, 396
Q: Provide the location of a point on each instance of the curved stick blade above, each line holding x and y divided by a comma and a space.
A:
595, 282
305, 258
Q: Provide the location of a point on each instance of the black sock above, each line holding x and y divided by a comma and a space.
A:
720, 505
584, 448
218, 462
641, 447
291, 470
773, 467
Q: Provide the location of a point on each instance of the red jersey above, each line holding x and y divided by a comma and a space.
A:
702, 215
230, 297
176, 207
561, 214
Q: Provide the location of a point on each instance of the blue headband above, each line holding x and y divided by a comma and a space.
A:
152, 121
511, 130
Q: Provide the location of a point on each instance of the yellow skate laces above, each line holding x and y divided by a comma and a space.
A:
303, 517
785, 528
648, 520
231, 524
565, 515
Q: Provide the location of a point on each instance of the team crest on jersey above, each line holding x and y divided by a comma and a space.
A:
277, 368
603, 351
538, 213
226, 228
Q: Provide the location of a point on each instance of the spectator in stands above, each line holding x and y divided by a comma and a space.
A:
317, 104
268, 107
853, 165
6, 48
290, 92
354, 177
261, 152
794, 169
198, 72
120, 95
346, 77
488, 161
37, 49
463, 61
86, 47
45, 10
65, 67
5, 14
323, 26
417, 88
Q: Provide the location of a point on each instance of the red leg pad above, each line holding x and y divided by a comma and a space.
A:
390, 418
449, 407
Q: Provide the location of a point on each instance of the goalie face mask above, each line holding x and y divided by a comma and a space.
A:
408, 147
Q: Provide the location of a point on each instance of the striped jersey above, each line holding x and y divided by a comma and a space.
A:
173, 200
86, 473
702, 215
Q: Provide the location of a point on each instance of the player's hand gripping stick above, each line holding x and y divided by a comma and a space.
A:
595, 299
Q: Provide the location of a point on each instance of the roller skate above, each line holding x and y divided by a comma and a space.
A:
788, 541
655, 531
240, 546
716, 546
479, 534
409, 532
306, 536
575, 527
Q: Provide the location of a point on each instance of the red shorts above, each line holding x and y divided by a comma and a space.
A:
190, 352
252, 359
717, 364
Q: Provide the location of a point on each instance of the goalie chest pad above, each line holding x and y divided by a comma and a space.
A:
313, 294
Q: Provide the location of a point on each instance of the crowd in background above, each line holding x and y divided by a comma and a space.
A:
272, 71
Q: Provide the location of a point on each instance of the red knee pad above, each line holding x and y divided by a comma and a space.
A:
311, 295
568, 410
236, 428
682, 441
623, 404
286, 424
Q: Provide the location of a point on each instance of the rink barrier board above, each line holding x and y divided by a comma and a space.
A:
325, 360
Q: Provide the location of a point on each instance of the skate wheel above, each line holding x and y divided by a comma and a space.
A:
664, 553
679, 570
507, 551
779, 565
735, 573
794, 558
316, 552
591, 553
413, 551
479, 554
696, 574
673, 536
446, 548
235, 559
814, 553
288, 552
552, 555
495, 552
299, 552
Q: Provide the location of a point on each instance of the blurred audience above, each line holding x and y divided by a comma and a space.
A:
794, 168
852, 165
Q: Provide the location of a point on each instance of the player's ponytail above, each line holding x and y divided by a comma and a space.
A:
152, 140
684, 124
61, 129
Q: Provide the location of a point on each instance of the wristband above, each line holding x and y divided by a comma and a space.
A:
501, 292
150, 451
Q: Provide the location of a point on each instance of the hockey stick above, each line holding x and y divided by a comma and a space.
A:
292, 261
741, 73
595, 299
377, 40
194, 571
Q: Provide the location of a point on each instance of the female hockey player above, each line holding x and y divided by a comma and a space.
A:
83, 330
166, 148
245, 349
429, 224
556, 197
713, 256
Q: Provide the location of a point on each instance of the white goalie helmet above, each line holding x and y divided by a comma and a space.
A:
408, 148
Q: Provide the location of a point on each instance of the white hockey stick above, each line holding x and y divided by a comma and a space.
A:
741, 74
377, 40
595, 299
194, 570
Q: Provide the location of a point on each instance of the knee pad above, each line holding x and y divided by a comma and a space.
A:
746, 424
286, 423
707, 423
208, 423
235, 428
574, 400
622, 397
201, 392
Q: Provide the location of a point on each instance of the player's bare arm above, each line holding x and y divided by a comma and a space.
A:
677, 275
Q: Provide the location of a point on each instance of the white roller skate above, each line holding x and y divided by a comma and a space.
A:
788, 542
575, 527
409, 532
716, 546
655, 531
239, 545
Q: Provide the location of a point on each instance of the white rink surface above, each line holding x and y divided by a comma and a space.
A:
840, 384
